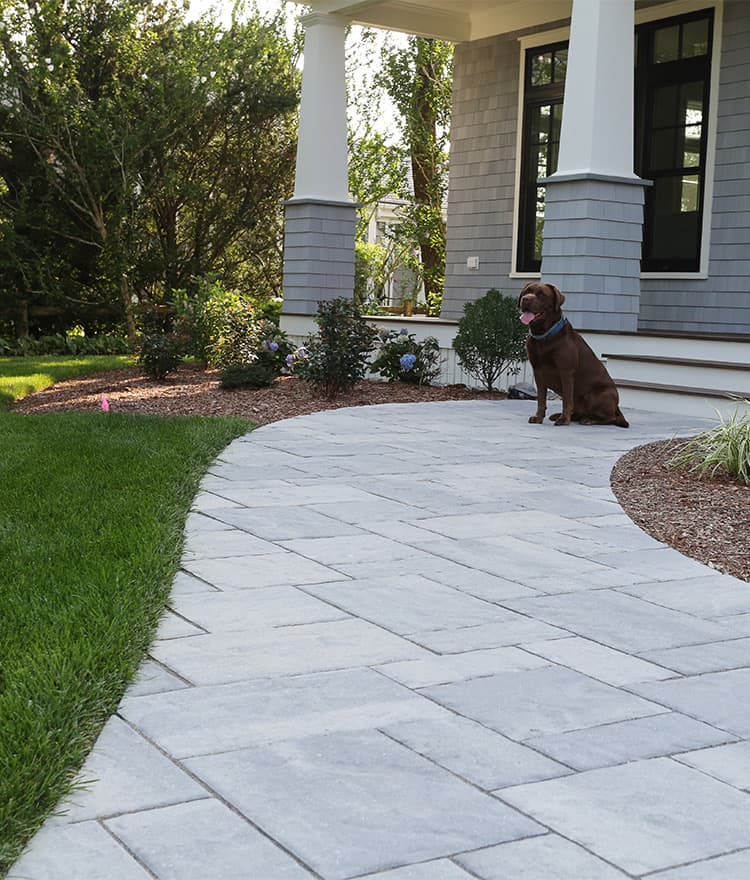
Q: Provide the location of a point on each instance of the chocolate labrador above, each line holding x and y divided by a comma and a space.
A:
563, 361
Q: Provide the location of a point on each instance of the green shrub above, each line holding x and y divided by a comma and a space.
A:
159, 354
260, 374
402, 359
336, 357
59, 343
723, 448
491, 340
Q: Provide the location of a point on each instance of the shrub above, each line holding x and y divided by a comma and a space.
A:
260, 374
403, 359
59, 343
491, 340
159, 354
336, 357
723, 448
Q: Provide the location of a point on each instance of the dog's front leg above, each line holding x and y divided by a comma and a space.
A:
541, 401
567, 383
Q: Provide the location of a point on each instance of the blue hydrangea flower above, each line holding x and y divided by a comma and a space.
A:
289, 359
407, 361
303, 352
274, 346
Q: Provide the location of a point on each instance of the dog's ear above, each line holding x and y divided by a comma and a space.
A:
559, 295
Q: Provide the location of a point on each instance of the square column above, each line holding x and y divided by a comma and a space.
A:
320, 219
593, 216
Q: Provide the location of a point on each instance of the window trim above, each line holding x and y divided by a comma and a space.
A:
642, 16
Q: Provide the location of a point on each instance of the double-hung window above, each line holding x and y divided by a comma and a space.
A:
672, 77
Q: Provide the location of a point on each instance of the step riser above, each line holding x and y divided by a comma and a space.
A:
689, 377
668, 347
676, 404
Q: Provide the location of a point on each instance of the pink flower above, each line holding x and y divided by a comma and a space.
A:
105, 404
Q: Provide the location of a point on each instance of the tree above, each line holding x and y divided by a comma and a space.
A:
139, 151
418, 80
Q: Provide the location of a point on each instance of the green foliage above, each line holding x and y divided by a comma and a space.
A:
59, 343
91, 522
260, 374
336, 357
401, 358
140, 150
491, 340
20, 376
159, 354
725, 448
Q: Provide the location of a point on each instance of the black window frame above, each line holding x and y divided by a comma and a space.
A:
649, 76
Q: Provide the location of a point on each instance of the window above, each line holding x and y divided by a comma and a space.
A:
672, 76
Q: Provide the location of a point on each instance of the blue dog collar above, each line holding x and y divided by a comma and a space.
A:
553, 331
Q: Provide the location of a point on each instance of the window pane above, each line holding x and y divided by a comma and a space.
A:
667, 44
666, 106
692, 103
560, 66
695, 38
539, 223
541, 69
690, 199
691, 155
664, 148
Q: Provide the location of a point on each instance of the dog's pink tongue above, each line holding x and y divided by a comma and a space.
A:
527, 317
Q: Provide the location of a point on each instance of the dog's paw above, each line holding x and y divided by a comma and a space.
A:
555, 416
535, 420
561, 421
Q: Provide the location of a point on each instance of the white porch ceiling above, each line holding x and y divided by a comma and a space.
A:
454, 20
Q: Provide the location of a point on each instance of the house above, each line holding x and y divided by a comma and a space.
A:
603, 145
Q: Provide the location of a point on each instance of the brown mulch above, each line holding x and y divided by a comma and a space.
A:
708, 519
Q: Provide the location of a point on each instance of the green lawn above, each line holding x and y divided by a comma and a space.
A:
24, 375
91, 518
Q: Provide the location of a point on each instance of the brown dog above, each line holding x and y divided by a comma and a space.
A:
563, 361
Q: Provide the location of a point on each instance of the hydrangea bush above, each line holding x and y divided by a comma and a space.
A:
402, 359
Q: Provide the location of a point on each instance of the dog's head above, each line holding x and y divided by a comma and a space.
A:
541, 305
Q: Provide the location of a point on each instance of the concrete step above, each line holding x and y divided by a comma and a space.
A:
690, 373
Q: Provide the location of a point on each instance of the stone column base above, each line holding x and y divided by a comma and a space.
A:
593, 227
318, 253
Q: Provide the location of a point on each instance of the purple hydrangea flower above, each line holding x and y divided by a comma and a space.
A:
289, 359
274, 346
303, 352
407, 361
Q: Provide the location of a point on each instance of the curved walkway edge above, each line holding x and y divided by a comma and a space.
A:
424, 642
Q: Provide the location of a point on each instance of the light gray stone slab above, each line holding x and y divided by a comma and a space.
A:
597, 661
662, 564
208, 502
513, 631
719, 698
475, 753
739, 624
439, 870
260, 712
374, 510
349, 804
730, 763
172, 626
250, 609
590, 580
203, 839
200, 524
732, 867
644, 816
620, 621
538, 858
84, 851
459, 667
569, 503
623, 741
291, 495
185, 583
538, 701
352, 549
154, 679
275, 569
714, 596
479, 525
228, 542
126, 774
617, 538
286, 523
409, 604
734, 654
480, 584
263, 653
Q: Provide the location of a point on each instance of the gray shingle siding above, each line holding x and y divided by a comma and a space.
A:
482, 191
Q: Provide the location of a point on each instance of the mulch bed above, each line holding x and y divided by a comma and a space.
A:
708, 519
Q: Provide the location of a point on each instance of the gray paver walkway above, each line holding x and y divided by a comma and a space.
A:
423, 642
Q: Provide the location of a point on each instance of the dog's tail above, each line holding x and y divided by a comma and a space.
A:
620, 420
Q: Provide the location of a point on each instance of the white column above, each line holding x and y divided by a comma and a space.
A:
322, 154
597, 124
